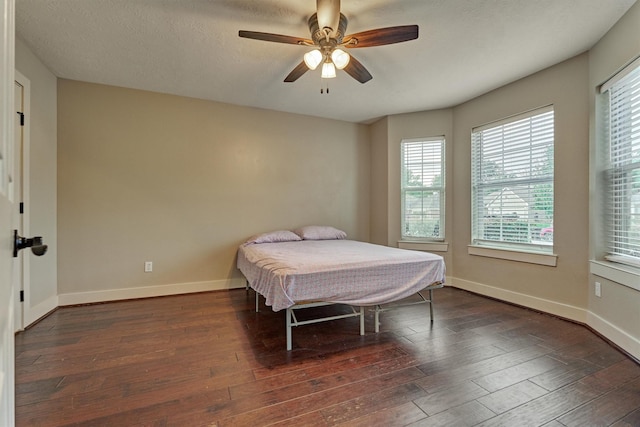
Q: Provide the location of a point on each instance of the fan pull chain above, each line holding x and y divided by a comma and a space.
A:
322, 90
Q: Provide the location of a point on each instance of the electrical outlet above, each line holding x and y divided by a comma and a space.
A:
598, 289
148, 267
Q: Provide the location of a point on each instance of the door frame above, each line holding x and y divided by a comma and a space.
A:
24, 316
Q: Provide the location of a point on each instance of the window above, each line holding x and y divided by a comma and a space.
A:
422, 189
512, 182
623, 166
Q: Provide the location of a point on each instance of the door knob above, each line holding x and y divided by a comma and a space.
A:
35, 243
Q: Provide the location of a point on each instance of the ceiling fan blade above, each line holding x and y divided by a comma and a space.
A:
356, 70
278, 38
328, 12
297, 72
381, 36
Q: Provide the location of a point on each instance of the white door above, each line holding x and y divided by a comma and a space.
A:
7, 293
7, 299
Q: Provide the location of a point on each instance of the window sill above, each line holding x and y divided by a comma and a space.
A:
423, 246
550, 260
619, 273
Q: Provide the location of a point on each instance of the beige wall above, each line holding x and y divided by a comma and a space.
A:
560, 289
387, 135
419, 125
616, 313
379, 181
41, 206
182, 182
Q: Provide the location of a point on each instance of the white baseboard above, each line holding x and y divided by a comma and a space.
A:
611, 332
628, 343
559, 309
40, 310
148, 291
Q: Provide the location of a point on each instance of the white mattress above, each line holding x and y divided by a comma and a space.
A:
336, 271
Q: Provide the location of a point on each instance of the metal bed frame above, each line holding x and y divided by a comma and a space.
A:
292, 321
379, 308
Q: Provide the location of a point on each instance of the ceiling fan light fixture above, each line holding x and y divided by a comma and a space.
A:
340, 58
328, 28
313, 59
328, 70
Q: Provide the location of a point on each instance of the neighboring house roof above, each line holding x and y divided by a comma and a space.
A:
504, 202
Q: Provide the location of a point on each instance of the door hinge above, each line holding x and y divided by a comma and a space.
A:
21, 207
21, 117
21, 296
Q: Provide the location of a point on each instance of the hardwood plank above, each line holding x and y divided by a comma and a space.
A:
401, 415
313, 386
515, 374
606, 409
451, 357
631, 420
512, 396
545, 408
568, 372
449, 398
355, 408
347, 362
469, 414
470, 371
208, 359
312, 402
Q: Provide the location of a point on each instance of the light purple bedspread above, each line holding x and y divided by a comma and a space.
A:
336, 271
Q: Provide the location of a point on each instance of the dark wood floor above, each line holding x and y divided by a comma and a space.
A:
210, 360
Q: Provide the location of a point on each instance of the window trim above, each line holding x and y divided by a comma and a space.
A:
616, 272
530, 257
429, 246
531, 252
626, 70
442, 189
631, 263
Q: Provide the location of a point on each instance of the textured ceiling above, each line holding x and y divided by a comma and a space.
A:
192, 48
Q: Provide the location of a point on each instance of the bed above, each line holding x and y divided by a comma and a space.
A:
317, 265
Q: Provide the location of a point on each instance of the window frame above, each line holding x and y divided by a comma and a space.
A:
619, 167
441, 189
541, 252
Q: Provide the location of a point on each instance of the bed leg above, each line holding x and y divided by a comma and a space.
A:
289, 345
257, 302
376, 320
361, 320
431, 304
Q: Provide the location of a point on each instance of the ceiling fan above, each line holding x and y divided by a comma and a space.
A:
327, 27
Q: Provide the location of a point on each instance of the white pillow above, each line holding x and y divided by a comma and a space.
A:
274, 237
320, 232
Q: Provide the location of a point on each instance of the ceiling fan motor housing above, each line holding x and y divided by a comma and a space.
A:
320, 34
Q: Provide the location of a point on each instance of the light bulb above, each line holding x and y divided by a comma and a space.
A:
313, 59
328, 70
340, 58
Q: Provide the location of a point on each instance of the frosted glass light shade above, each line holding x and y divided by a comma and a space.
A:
340, 58
328, 70
313, 59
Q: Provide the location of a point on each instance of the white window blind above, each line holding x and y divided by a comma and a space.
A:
623, 174
422, 189
512, 182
